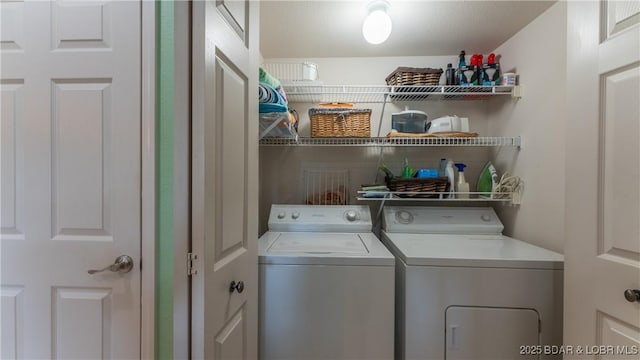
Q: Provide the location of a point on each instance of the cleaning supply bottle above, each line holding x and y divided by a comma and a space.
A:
462, 66
450, 77
462, 62
463, 186
407, 171
451, 175
442, 169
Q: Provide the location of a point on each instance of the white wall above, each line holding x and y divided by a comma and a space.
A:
538, 54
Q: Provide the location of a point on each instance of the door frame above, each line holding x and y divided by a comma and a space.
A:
148, 180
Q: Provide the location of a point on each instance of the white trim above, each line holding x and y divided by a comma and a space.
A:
181, 178
148, 187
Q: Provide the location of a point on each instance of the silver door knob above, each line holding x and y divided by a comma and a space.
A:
123, 264
632, 295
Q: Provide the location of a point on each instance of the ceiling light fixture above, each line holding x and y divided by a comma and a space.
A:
377, 25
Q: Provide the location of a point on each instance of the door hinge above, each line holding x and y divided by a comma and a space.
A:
191, 257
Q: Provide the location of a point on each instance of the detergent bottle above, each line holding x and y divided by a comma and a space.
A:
451, 176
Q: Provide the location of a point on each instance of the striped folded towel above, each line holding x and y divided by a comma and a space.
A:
270, 99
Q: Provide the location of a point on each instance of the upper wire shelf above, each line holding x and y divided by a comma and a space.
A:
485, 141
383, 93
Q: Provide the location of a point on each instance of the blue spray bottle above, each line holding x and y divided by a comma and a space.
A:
463, 186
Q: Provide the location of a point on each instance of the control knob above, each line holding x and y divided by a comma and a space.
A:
404, 217
352, 215
281, 215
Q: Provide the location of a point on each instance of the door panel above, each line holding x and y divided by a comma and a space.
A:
230, 340
82, 314
80, 154
235, 13
618, 333
230, 98
81, 25
224, 183
11, 26
70, 164
620, 166
602, 250
11, 299
619, 15
12, 160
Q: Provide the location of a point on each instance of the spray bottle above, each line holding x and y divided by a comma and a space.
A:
463, 186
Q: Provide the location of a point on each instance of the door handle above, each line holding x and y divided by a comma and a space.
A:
123, 264
632, 295
237, 286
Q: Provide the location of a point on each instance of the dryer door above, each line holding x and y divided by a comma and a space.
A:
480, 333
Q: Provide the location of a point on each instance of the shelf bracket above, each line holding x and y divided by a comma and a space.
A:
516, 93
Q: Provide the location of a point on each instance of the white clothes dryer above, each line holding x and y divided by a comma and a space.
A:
465, 291
326, 285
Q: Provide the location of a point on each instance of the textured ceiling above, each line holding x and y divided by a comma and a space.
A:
330, 28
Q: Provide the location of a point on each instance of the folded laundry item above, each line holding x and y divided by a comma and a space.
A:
270, 99
267, 78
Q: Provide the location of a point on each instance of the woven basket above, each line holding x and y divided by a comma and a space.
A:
414, 76
340, 122
430, 185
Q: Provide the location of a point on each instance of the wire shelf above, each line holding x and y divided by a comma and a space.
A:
383, 93
276, 125
433, 196
485, 141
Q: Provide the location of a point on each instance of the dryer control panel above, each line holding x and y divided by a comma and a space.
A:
320, 218
442, 220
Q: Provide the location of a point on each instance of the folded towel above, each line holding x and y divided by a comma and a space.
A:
270, 99
267, 78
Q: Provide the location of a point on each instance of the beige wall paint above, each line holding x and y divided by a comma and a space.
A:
538, 54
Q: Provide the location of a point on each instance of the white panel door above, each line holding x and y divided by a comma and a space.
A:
70, 162
602, 250
224, 186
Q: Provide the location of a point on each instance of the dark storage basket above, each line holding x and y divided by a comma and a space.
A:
430, 185
340, 122
414, 76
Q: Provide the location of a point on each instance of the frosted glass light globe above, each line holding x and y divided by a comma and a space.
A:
376, 27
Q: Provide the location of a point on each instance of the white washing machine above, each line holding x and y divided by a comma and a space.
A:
326, 286
464, 291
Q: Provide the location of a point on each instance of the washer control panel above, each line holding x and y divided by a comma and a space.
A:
323, 218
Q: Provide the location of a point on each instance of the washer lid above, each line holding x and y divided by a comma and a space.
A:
318, 243
441, 220
471, 251
305, 248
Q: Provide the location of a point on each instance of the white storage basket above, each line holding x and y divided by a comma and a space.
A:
306, 71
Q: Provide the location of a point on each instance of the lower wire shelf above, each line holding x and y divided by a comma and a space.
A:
433, 196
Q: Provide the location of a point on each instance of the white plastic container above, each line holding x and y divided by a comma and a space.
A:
451, 176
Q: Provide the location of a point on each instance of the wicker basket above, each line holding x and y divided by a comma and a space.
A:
414, 76
340, 122
440, 185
